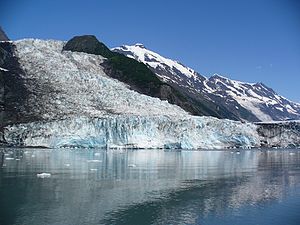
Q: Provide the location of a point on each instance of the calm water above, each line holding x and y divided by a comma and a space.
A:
149, 187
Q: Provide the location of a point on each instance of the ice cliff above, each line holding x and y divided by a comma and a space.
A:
135, 132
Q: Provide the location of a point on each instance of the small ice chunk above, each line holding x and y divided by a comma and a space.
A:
292, 153
9, 158
97, 154
67, 164
17, 159
131, 165
94, 161
93, 169
43, 175
238, 153
33, 156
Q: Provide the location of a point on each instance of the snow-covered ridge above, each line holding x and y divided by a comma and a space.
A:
216, 75
257, 99
140, 53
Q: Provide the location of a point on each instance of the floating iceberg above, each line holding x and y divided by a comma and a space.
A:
9, 158
43, 175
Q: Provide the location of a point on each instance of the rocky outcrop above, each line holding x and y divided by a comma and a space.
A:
13, 92
88, 44
3, 36
279, 134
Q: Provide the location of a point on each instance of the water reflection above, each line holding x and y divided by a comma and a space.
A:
139, 187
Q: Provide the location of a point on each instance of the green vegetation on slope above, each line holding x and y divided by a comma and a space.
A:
120, 67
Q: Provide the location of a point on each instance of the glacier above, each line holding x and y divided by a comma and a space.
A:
79, 105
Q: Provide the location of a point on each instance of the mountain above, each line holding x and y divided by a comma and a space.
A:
243, 101
3, 36
80, 94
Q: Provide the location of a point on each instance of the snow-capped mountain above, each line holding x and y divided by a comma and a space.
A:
251, 102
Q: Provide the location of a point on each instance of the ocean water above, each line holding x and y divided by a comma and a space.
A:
88, 187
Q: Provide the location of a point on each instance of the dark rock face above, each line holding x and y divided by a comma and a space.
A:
3, 36
13, 93
280, 134
88, 44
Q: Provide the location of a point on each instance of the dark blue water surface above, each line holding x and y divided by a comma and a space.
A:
90, 187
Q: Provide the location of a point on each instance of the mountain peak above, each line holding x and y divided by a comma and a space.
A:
140, 45
88, 44
218, 76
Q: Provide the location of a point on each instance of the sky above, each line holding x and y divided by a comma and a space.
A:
251, 41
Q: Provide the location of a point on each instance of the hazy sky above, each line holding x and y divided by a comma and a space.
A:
253, 41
